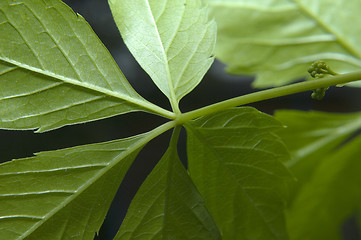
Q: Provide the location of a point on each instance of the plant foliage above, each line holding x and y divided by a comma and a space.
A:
242, 164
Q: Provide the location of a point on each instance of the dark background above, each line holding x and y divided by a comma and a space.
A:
216, 86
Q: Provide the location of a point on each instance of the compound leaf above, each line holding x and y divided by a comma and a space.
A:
63, 194
277, 40
54, 71
331, 196
172, 40
168, 206
235, 162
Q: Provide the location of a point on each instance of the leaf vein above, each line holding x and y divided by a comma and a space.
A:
59, 46
62, 108
37, 193
191, 56
39, 90
21, 216
87, 52
56, 169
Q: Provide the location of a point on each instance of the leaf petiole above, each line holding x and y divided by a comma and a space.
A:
269, 94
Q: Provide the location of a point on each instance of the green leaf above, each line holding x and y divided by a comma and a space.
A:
311, 135
277, 40
172, 40
64, 194
330, 197
168, 206
235, 162
54, 71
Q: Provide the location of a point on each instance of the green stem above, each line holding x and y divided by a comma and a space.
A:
175, 135
270, 93
158, 110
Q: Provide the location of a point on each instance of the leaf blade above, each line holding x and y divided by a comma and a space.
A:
277, 40
54, 70
162, 36
168, 206
234, 162
65, 192
341, 29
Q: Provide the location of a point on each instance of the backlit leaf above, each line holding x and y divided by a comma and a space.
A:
278, 39
173, 41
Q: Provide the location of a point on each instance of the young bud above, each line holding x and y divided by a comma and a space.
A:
319, 69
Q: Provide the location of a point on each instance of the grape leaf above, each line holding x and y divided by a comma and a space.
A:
64, 194
277, 40
330, 197
54, 71
172, 40
168, 206
311, 135
234, 160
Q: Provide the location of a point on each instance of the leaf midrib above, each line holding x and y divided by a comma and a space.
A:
137, 101
173, 99
70, 81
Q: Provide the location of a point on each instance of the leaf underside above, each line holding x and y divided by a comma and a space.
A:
173, 41
168, 206
234, 160
63, 194
277, 40
54, 71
